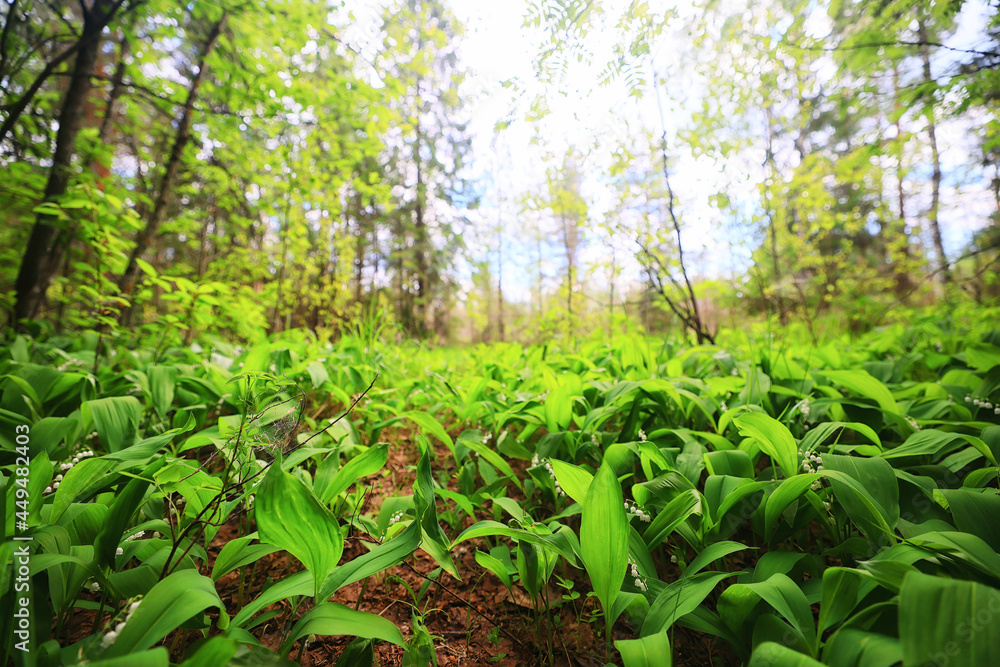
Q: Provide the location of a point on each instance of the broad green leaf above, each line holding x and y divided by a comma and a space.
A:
170, 603
928, 442
671, 516
851, 646
429, 423
298, 584
331, 618
604, 536
329, 483
494, 528
559, 409
473, 440
574, 480
773, 438
790, 490
876, 486
434, 542
977, 513
380, 558
840, 596
126, 503
772, 654
292, 518
712, 553
237, 553
156, 657
495, 566
681, 597
116, 419
162, 383
948, 621
649, 651
862, 383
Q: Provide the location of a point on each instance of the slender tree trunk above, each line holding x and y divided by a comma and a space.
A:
500, 324
45, 244
127, 282
932, 212
902, 263
772, 227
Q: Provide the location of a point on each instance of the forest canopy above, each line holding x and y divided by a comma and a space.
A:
476, 173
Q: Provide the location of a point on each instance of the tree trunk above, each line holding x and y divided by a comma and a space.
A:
932, 212
43, 252
127, 282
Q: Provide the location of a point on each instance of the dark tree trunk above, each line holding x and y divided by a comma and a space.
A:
932, 212
45, 243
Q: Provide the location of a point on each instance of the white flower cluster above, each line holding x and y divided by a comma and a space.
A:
109, 638
809, 459
65, 467
734, 372
642, 435
912, 422
723, 407
983, 404
640, 581
139, 535
394, 519
594, 441
938, 346
635, 510
487, 438
535, 461
803, 407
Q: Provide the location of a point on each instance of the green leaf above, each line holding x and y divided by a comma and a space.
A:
840, 596
790, 490
292, 518
494, 565
876, 488
378, 559
977, 513
862, 383
851, 646
604, 536
648, 651
772, 654
170, 603
330, 484
574, 480
298, 584
676, 512
162, 383
434, 542
126, 503
948, 621
429, 423
157, 657
559, 409
473, 440
932, 442
331, 618
237, 553
680, 598
493, 528
773, 438
116, 419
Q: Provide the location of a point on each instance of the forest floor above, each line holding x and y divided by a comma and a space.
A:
473, 621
